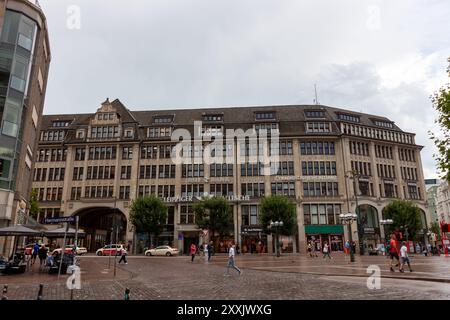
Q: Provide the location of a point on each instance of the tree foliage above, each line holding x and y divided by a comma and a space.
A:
441, 102
34, 204
214, 214
148, 214
278, 208
404, 213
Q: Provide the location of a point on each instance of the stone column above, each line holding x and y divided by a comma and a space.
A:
373, 163
301, 230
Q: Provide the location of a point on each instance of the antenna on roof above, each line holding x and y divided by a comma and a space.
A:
316, 101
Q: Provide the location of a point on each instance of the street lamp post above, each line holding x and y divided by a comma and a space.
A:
354, 175
276, 225
348, 218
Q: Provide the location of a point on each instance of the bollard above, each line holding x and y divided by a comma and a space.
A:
41, 290
5, 291
127, 294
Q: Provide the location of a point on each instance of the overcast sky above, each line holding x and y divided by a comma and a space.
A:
379, 57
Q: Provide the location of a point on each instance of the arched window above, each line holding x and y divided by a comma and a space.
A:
368, 215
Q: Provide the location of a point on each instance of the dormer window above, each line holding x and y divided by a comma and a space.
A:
212, 117
105, 116
163, 119
265, 115
129, 133
349, 117
314, 114
80, 134
58, 124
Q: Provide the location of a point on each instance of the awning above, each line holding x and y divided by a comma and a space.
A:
18, 230
324, 229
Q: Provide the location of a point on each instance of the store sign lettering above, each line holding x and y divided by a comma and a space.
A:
191, 198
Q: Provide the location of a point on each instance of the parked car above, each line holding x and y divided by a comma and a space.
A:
80, 250
162, 251
110, 249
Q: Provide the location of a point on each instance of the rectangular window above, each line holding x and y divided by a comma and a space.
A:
125, 172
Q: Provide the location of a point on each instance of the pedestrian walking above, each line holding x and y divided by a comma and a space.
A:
42, 254
354, 247
231, 259
326, 251
309, 249
34, 253
123, 257
193, 251
210, 250
314, 249
205, 251
393, 252
347, 248
404, 258
429, 249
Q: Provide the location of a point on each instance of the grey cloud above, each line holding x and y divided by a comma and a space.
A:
198, 53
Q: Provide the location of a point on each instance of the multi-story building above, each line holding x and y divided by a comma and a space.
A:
24, 63
443, 202
431, 186
94, 165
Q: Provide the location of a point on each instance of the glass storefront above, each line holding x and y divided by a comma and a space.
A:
335, 241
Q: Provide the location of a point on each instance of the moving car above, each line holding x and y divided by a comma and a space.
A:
110, 249
162, 251
80, 250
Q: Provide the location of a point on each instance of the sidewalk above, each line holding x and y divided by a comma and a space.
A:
433, 268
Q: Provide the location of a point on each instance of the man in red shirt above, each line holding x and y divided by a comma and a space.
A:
393, 252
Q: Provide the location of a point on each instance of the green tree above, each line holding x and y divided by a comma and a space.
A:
278, 208
148, 214
214, 214
404, 213
34, 204
441, 102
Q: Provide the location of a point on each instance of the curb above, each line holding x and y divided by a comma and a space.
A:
441, 280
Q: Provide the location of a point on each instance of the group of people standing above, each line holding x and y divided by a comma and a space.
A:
207, 250
312, 250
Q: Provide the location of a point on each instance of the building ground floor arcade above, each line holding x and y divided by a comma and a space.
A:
107, 220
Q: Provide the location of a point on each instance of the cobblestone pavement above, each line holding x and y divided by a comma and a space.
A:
264, 277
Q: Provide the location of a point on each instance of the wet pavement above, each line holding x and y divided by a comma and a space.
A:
264, 277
